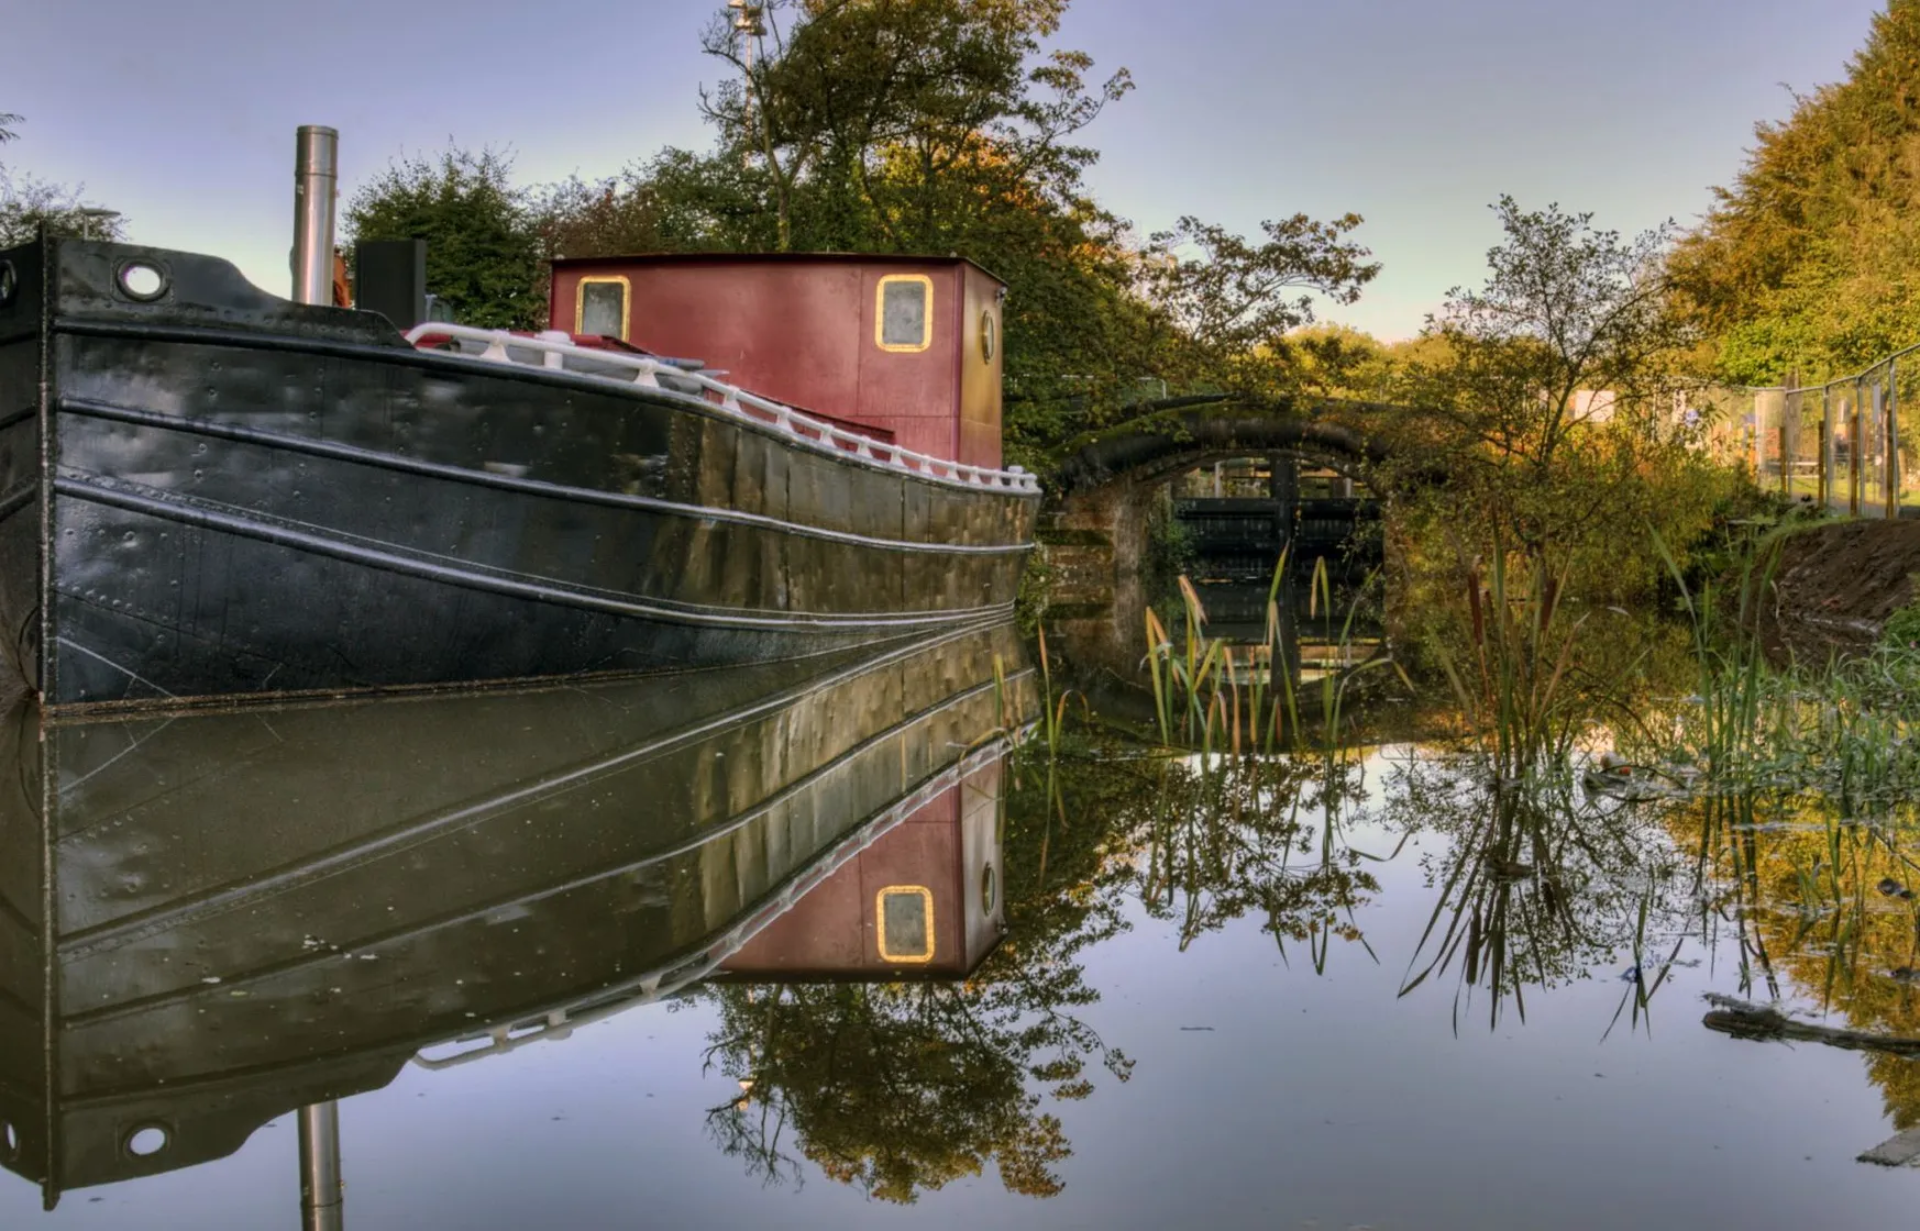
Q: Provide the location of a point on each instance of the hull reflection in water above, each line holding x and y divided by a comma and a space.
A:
209, 920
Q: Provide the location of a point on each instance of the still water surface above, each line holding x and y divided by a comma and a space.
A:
811, 945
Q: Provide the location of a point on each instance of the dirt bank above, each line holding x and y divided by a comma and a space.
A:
1835, 585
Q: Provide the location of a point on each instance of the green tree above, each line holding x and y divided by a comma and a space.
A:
1807, 262
1548, 405
28, 204
483, 239
947, 126
885, 112
1233, 304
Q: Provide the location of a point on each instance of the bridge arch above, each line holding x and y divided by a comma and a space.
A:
1094, 531
1178, 435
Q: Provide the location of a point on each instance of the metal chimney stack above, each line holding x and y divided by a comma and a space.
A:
316, 157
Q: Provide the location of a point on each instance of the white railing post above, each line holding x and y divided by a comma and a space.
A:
554, 348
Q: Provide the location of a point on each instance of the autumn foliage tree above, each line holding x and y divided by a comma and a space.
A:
1807, 262
911, 126
1547, 419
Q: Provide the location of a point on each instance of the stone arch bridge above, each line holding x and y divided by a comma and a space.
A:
1094, 529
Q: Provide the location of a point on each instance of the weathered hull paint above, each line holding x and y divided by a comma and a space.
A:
220, 493
209, 919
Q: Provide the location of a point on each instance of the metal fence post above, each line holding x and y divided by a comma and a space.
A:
1823, 485
1855, 471
1893, 438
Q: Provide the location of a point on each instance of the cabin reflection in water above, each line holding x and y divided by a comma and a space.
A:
921, 902
209, 920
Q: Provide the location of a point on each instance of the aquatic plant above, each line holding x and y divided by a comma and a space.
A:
1512, 686
1215, 696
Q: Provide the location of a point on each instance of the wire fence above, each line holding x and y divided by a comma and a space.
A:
1842, 443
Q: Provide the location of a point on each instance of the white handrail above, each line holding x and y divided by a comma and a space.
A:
553, 349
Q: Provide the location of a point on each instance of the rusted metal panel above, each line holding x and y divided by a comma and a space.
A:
915, 394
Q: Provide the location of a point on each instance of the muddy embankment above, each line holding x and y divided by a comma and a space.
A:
1830, 588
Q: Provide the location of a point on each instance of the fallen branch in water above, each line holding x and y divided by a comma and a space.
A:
1744, 1020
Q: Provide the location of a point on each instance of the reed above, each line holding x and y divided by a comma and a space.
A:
1512, 680
1214, 696
1847, 729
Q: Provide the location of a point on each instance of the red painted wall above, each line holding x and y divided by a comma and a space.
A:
802, 330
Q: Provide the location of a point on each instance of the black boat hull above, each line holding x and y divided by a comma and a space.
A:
217, 492
209, 919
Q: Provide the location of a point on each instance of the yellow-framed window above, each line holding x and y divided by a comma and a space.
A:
903, 917
903, 313
603, 304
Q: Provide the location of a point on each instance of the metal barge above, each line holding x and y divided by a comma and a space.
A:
207, 491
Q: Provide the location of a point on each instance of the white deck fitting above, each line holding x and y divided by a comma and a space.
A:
555, 351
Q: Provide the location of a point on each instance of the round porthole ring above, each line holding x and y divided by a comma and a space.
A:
162, 284
9, 1141
989, 889
9, 283
138, 1131
988, 339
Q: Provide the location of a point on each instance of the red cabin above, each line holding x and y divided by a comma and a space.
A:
922, 902
908, 346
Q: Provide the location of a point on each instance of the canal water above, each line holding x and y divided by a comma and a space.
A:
851, 942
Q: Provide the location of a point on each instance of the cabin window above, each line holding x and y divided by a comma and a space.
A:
601, 307
905, 312
905, 914
987, 340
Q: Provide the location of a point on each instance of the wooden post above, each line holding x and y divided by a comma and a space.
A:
1283, 488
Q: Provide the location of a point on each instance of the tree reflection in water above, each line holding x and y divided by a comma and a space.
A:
1824, 912
901, 1088
1229, 838
1538, 879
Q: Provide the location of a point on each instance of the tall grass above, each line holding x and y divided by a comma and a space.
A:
1213, 696
1512, 678
1848, 729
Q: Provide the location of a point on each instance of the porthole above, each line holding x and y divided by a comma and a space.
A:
905, 919
9, 1141
140, 281
603, 305
147, 1141
903, 314
9, 283
989, 890
987, 341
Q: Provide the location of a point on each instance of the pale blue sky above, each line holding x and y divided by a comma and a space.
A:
1415, 113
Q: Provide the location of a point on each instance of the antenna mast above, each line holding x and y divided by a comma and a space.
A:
748, 28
